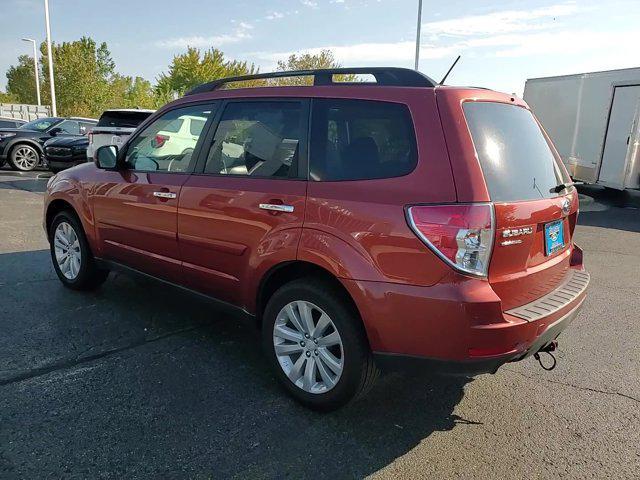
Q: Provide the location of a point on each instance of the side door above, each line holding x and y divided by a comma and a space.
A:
135, 207
241, 212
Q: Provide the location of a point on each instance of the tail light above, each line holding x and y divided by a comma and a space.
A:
159, 141
90, 136
460, 234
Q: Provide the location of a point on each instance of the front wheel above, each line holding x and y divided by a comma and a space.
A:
71, 255
317, 345
24, 158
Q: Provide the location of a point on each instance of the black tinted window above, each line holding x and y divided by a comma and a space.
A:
8, 124
122, 119
258, 139
359, 139
516, 159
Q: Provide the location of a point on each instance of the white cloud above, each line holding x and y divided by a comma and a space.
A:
241, 33
309, 3
502, 22
391, 53
275, 16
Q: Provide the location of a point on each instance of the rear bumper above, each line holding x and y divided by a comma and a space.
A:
459, 325
471, 367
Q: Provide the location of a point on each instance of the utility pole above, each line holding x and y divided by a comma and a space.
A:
54, 111
418, 34
35, 66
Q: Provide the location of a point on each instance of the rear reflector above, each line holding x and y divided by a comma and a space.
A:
159, 141
460, 234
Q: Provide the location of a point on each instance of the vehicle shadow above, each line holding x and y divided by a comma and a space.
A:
158, 370
607, 208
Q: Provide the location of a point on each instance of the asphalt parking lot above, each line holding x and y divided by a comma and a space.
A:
139, 380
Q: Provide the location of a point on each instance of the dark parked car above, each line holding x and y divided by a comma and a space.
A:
8, 122
65, 152
24, 147
361, 224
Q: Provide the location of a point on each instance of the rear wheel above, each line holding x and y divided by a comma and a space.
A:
24, 158
317, 345
72, 259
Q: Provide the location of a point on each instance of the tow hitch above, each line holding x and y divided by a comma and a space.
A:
548, 348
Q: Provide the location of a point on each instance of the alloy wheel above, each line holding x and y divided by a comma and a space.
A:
67, 250
25, 158
308, 347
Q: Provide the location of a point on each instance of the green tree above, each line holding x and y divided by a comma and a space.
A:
83, 75
193, 68
309, 61
7, 98
21, 82
128, 92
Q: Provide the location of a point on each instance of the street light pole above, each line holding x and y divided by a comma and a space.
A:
35, 66
50, 56
418, 34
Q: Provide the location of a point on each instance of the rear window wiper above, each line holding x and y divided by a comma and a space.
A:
563, 186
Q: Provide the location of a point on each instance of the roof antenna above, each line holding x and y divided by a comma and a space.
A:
449, 71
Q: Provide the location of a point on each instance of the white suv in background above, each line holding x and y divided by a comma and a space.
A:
114, 126
179, 136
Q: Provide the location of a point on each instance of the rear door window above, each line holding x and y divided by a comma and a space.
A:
360, 140
70, 126
516, 159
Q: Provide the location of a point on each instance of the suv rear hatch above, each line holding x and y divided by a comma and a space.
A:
114, 126
535, 215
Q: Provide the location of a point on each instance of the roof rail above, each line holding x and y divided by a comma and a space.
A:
385, 76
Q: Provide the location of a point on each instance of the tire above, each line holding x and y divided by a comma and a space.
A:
81, 275
358, 371
24, 157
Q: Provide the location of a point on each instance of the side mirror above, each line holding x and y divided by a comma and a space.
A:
106, 157
55, 131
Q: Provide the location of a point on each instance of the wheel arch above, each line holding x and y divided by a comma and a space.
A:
293, 270
25, 141
56, 206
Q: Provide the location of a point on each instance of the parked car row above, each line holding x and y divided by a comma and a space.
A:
58, 143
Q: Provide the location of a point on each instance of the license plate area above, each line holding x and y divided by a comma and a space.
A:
553, 237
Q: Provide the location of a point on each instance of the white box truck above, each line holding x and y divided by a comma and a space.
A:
593, 119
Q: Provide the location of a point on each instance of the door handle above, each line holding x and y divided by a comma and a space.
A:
164, 194
276, 208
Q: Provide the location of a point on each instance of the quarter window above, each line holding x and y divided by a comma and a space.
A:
360, 140
257, 139
166, 146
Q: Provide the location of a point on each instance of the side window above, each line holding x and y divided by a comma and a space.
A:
70, 126
258, 139
167, 144
360, 140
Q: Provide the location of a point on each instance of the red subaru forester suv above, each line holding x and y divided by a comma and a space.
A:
359, 223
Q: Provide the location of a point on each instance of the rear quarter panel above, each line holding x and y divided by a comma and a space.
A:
357, 229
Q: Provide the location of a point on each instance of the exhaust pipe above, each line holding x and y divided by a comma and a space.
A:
548, 348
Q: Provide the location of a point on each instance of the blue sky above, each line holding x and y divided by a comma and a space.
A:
502, 43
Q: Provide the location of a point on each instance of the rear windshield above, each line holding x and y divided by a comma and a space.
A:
516, 159
122, 119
